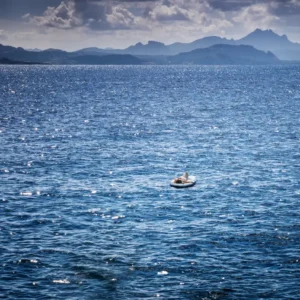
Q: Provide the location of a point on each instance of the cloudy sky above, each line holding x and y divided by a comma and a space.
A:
75, 24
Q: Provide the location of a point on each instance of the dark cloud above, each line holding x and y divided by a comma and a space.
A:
116, 1
95, 10
141, 14
286, 8
15, 9
287, 12
276, 7
230, 5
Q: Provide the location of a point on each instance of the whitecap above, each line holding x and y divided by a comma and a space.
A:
163, 273
118, 217
62, 281
94, 210
26, 193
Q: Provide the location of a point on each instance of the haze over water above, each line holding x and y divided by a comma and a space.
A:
86, 157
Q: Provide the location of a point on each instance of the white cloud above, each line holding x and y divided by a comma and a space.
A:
93, 15
26, 17
122, 18
189, 19
62, 17
162, 12
255, 16
3, 35
114, 18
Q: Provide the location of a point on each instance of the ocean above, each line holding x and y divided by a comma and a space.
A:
86, 159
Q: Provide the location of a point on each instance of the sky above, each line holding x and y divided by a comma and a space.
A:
76, 24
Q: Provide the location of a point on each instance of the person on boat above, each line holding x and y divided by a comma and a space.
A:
186, 176
182, 179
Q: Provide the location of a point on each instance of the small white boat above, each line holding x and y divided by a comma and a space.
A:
184, 183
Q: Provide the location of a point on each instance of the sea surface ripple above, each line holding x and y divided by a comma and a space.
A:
86, 157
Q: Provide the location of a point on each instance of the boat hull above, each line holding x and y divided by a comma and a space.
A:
192, 182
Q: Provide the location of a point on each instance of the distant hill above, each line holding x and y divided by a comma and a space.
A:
220, 54
34, 50
6, 61
225, 55
177, 48
152, 48
13, 55
20, 54
93, 51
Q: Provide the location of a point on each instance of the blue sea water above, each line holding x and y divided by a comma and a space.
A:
86, 157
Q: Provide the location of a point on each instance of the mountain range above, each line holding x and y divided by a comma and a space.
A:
265, 40
259, 47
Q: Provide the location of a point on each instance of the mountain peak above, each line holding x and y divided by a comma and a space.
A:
264, 35
263, 32
155, 43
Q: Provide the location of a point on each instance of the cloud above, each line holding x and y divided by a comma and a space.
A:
25, 36
255, 16
189, 15
26, 16
295, 2
62, 16
121, 18
173, 17
104, 16
96, 15
162, 12
230, 5
3, 35
127, 14
168, 19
